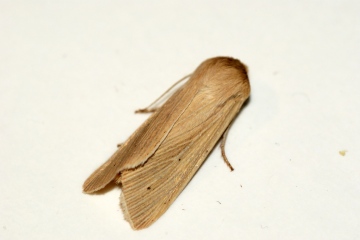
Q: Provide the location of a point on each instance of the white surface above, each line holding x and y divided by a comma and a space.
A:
72, 73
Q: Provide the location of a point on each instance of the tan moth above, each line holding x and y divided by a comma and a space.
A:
159, 159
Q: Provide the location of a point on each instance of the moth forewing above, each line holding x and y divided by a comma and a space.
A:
161, 157
173, 168
142, 143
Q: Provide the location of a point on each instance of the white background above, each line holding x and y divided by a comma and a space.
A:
73, 72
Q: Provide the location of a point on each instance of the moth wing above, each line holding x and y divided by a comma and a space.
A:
148, 191
144, 141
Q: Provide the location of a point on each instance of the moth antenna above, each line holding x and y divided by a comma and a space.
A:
149, 108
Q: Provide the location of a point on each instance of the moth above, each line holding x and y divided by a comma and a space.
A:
159, 159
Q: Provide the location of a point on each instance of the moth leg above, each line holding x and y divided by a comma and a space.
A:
146, 110
222, 146
150, 108
117, 178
